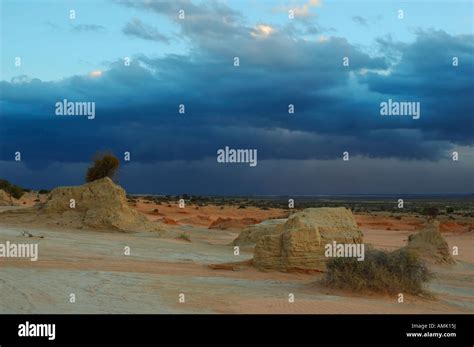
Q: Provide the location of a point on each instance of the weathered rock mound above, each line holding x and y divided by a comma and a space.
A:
99, 204
430, 245
299, 245
4, 198
252, 233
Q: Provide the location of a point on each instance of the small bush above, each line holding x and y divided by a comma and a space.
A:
398, 271
450, 210
43, 191
105, 165
4, 184
431, 212
12, 189
185, 237
16, 191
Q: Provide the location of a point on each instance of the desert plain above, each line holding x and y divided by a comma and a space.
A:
189, 264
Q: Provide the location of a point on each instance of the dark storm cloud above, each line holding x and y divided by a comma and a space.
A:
279, 177
426, 73
247, 106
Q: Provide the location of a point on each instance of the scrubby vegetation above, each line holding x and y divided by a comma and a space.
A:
11, 189
395, 272
431, 212
185, 237
415, 207
104, 165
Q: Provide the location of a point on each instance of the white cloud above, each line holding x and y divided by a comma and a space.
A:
262, 30
303, 10
95, 73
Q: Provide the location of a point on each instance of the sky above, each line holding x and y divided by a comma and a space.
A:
282, 61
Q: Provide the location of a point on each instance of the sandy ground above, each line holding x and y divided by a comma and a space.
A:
204, 215
92, 265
